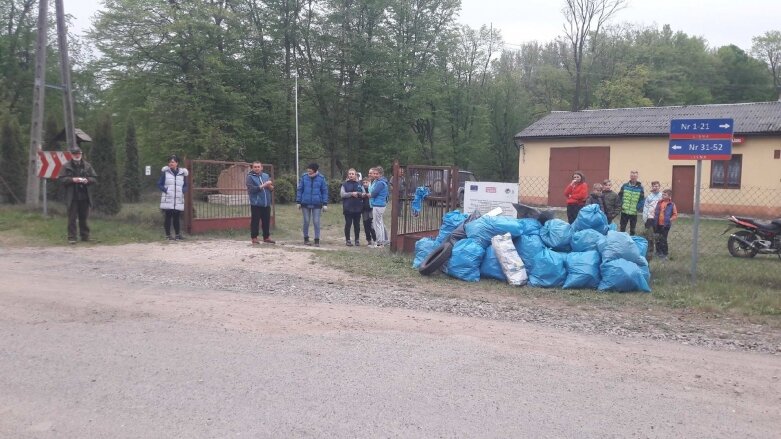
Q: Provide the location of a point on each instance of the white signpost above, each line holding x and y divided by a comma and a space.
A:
484, 196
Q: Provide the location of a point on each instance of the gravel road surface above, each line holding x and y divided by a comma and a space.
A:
218, 339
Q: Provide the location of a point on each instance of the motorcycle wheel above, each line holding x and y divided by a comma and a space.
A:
739, 249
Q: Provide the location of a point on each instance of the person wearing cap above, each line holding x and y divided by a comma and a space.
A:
173, 185
312, 199
77, 177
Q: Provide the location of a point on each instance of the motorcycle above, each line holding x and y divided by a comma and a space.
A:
756, 237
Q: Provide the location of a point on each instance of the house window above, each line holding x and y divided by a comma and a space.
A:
725, 174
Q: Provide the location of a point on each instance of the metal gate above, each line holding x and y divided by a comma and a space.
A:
407, 228
217, 199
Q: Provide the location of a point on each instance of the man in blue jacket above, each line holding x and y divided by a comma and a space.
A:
378, 198
259, 187
312, 199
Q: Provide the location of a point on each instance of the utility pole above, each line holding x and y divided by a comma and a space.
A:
65, 74
36, 137
33, 182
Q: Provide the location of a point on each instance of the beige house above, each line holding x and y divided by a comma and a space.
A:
610, 143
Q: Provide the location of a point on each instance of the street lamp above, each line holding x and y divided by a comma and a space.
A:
296, 99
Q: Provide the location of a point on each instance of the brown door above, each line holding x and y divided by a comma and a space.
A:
683, 188
593, 161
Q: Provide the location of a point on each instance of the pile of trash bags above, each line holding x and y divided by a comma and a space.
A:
589, 253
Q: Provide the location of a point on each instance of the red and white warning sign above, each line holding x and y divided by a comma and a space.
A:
50, 163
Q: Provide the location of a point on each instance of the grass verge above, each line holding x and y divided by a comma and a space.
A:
742, 287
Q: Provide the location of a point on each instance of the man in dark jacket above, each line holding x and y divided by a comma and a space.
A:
77, 177
259, 187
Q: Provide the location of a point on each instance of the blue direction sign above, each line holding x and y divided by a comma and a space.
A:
700, 139
697, 149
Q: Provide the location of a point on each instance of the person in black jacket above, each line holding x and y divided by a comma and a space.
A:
596, 197
352, 206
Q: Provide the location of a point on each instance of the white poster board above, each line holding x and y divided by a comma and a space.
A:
486, 195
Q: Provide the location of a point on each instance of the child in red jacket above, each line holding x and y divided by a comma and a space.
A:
576, 193
666, 213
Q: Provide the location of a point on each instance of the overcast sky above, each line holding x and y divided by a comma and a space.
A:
720, 22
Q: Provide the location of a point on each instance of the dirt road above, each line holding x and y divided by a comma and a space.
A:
217, 339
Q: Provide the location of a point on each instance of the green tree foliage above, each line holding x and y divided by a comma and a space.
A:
131, 186
377, 80
50, 132
13, 169
741, 78
624, 91
767, 47
17, 53
104, 160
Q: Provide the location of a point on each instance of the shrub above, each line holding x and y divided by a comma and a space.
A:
285, 189
334, 187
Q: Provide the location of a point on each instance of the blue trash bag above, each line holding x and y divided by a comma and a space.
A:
586, 240
486, 227
623, 276
423, 248
491, 266
421, 193
642, 245
557, 234
591, 217
548, 269
450, 221
619, 245
465, 262
529, 226
613, 227
582, 269
528, 247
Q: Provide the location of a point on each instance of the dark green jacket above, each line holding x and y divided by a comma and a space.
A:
612, 204
69, 171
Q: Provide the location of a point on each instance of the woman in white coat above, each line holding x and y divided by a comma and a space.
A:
173, 185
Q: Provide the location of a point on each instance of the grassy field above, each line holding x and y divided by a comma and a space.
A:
725, 284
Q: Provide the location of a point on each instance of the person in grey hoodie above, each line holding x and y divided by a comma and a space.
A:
259, 187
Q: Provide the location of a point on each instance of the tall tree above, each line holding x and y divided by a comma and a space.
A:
50, 132
465, 83
742, 78
13, 170
510, 108
104, 160
132, 181
17, 27
584, 20
767, 47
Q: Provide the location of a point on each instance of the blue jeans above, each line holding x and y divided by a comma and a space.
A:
314, 213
